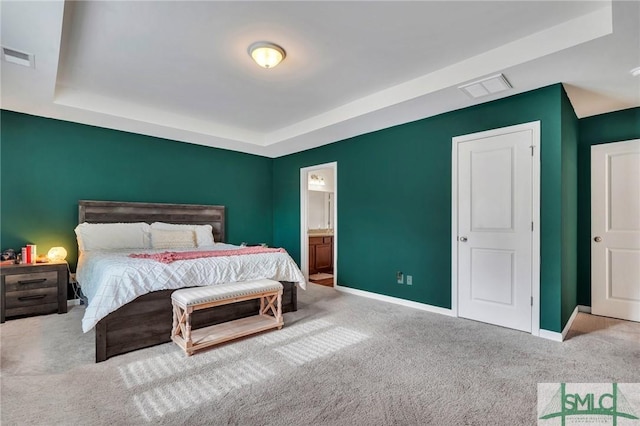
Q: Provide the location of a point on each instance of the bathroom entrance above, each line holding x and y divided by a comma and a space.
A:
318, 223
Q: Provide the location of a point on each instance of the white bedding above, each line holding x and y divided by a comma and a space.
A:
111, 279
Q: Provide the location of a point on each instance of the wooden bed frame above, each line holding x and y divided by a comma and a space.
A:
147, 320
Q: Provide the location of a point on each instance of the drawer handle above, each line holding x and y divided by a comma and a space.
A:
34, 297
38, 280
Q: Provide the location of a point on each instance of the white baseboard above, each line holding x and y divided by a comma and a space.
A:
397, 301
585, 309
545, 334
559, 337
73, 302
550, 335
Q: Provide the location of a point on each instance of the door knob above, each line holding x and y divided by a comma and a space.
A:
463, 239
597, 239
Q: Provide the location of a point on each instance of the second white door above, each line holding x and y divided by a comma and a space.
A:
494, 247
615, 227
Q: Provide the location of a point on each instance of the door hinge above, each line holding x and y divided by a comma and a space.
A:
531, 226
531, 300
532, 148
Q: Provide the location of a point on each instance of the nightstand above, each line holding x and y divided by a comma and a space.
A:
33, 289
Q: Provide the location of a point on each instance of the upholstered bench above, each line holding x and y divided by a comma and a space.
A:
187, 300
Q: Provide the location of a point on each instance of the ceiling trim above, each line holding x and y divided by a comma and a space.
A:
150, 120
568, 34
563, 53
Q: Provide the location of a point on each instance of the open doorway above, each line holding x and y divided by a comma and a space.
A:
318, 223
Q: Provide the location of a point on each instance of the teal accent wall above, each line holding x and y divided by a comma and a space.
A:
569, 209
606, 128
394, 200
394, 193
48, 165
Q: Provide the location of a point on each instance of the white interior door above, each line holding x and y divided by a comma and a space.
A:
615, 230
494, 218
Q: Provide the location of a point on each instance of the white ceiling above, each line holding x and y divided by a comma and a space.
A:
180, 70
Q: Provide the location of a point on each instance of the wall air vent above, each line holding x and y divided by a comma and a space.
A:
19, 58
486, 86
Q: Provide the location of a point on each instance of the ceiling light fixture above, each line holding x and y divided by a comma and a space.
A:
635, 72
266, 54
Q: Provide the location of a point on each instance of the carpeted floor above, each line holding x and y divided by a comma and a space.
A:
340, 360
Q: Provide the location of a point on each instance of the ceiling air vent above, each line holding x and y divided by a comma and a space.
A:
17, 57
486, 86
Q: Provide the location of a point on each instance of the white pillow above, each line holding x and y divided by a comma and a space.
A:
204, 233
161, 239
111, 236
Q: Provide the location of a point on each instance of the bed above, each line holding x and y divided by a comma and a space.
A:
146, 320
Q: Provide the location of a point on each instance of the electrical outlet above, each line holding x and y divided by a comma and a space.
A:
409, 280
400, 277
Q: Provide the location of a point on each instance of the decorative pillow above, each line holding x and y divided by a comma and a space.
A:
161, 239
112, 236
204, 233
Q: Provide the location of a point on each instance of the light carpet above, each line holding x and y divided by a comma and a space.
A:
340, 360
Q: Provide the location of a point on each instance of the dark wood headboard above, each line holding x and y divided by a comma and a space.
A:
116, 211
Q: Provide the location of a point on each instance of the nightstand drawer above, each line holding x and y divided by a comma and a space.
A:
20, 282
24, 298
48, 308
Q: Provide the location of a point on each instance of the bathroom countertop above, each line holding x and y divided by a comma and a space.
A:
320, 233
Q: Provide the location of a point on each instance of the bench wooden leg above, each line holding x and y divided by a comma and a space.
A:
272, 305
279, 313
179, 316
174, 327
267, 304
181, 332
187, 336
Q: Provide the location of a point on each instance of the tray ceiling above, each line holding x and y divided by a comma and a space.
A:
180, 70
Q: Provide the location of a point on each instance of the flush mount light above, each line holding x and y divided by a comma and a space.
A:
266, 54
635, 72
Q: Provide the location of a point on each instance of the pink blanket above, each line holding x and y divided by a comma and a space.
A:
172, 256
